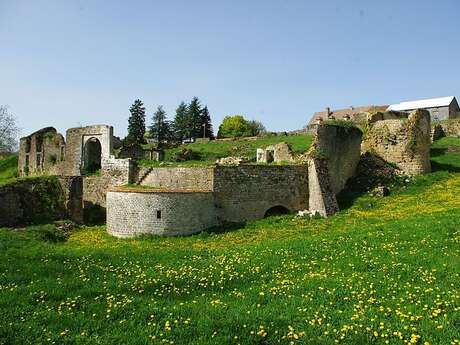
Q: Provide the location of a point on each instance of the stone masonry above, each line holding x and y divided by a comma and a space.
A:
404, 141
159, 212
332, 160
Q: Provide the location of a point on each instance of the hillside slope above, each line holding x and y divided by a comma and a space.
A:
209, 152
385, 270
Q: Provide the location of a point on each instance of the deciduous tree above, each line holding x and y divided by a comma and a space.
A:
8, 131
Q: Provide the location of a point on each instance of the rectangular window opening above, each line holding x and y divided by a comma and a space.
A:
158, 214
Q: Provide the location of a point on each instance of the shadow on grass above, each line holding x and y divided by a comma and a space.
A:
437, 166
227, 227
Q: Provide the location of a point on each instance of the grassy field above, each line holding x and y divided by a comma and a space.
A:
244, 147
385, 270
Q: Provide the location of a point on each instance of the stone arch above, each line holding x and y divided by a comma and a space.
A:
277, 210
92, 155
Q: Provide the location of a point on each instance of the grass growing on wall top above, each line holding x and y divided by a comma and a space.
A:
385, 270
211, 151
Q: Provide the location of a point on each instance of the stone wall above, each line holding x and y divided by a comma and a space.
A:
115, 172
332, 160
322, 198
247, 192
76, 139
278, 153
404, 142
41, 199
41, 152
176, 178
341, 147
159, 212
451, 128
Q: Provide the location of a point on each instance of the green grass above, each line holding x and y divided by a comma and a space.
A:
385, 269
8, 168
213, 150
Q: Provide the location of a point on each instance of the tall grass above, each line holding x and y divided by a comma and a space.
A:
385, 270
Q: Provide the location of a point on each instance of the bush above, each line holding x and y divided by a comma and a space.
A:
54, 233
237, 126
185, 155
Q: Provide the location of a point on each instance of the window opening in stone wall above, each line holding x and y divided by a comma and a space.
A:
39, 143
158, 214
27, 148
62, 153
26, 165
38, 161
92, 156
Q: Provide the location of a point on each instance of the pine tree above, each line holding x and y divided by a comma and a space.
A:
181, 123
136, 123
207, 132
194, 118
160, 128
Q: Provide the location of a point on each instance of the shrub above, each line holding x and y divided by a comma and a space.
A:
237, 126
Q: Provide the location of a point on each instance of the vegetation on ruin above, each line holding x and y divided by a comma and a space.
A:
340, 123
209, 152
383, 270
8, 168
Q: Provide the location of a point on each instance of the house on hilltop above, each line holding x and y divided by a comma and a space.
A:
441, 108
351, 113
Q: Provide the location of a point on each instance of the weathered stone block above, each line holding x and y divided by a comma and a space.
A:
404, 142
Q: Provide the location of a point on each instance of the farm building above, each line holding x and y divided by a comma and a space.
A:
441, 108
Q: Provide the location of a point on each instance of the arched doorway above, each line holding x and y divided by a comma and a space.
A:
92, 156
276, 211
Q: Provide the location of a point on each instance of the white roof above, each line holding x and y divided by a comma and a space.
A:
423, 103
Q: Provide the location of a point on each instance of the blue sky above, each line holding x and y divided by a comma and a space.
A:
68, 63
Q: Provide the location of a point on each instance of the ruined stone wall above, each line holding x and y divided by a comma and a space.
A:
76, 139
322, 198
341, 147
451, 128
115, 172
41, 152
41, 199
247, 192
176, 178
404, 142
159, 213
332, 160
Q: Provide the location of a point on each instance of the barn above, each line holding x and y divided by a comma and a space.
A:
442, 108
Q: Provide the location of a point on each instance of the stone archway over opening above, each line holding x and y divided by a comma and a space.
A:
92, 153
276, 211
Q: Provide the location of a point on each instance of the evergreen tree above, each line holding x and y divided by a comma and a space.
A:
136, 123
206, 125
194, 118
160, 128
181, 123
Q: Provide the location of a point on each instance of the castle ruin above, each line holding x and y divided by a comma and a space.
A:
180, 201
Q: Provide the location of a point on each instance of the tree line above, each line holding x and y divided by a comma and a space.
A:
191, 121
